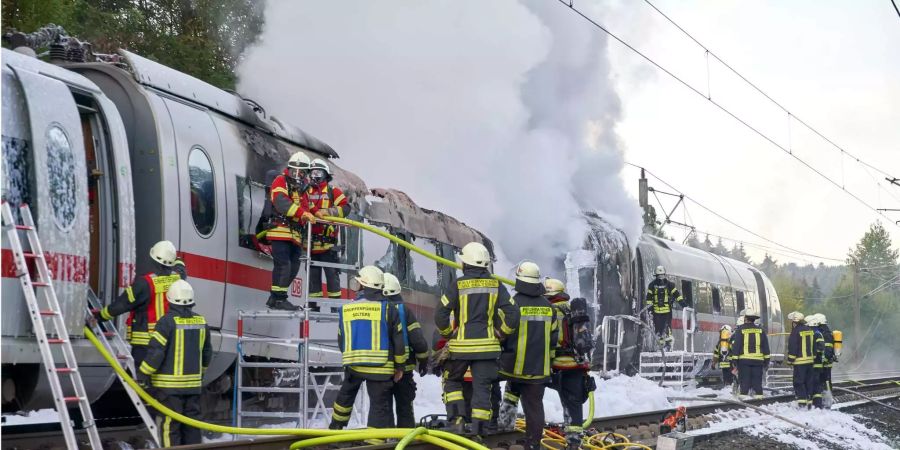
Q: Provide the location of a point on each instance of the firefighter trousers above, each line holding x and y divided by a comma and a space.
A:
662, 323
286, 256
825, 379
570, 385
404, 393
172, 432
332, 275
750, 374
818, 386
467, 397
531, 396
484, 375
804, 383
727, 376
381, 405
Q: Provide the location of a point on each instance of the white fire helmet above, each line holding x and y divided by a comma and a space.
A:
475, 254
553, 287
320, 163
371, 277
164, 253
391, 285
726, 327
528, 272
812, 320
298, 164
795, 316
660, 270
180, 293
822, 319
750, 313
740, 320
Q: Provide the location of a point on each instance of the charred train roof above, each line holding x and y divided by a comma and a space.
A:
178, 84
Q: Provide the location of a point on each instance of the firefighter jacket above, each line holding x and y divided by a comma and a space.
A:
661, 295
179, 352
145, 302
724, 358
332, 200
528, 352
289, 206
483, 311
750, 344
413, 338
818, 349
565, 357
801, 344
828, 354
370, 336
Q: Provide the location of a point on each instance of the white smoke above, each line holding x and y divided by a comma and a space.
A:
499, 113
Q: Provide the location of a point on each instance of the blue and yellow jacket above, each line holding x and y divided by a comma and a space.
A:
370, 336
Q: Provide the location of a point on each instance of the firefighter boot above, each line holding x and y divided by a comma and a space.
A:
507, 419
573, 438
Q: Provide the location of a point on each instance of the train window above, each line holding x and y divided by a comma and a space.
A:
422, 273
716, 300
687, 291
16, 172
203, 191
251, 200
61, 172
379, 251
740, 301
703, 298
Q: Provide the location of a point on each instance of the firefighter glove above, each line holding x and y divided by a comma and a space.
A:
307, 217
143, 380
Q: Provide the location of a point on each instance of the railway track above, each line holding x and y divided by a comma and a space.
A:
639, 427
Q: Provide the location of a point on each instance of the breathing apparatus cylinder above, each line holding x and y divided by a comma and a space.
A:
838, 341
724, 341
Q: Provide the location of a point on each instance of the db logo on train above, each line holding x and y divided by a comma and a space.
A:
297, 287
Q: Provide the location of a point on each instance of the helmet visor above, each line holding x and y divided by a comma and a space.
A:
296, 173
317, 174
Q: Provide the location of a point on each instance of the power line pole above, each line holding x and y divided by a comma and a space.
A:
856, 322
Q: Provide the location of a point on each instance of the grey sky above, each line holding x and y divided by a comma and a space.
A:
834, 64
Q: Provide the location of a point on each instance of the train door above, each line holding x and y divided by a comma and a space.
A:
203, 231
763, 301
59, 189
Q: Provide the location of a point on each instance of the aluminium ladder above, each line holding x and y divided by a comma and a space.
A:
33, 291
115, 345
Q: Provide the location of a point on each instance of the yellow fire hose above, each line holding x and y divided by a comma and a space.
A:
440, 438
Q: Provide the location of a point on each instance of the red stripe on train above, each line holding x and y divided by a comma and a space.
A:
63, 267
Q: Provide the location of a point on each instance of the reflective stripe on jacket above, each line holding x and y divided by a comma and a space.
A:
661, 296
414, 339
750, 343
370, 337
483, 310
529, 350
288, 205
331, 199
179, 352
145, 301
724, 361
800, 345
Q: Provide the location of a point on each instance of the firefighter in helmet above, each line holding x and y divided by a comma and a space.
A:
661, 297
813, 322
485, 315
370, 338
404, 390
722, 354
800, 356
286, 234
525, 362
324, 200
829, 358
178, 355
750, 347
145, 300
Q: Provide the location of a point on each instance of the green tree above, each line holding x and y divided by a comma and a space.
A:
737, 252
768, 266
652, 225
203, 38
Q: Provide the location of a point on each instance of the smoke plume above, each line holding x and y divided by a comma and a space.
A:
499, 113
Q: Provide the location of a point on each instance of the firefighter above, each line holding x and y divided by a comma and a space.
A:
178, 355
661, 297
750, 348
800, 357
829, 359
370, 338
145, 300
485, 315
286, 234
324, 200
440, 346
404, 391
570, 369
722, 354
525, 362
818, 351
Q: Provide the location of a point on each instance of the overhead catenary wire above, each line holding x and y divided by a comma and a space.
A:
733, 223
727, 111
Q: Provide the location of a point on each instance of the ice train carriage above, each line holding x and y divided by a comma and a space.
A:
113, 158
718, 288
